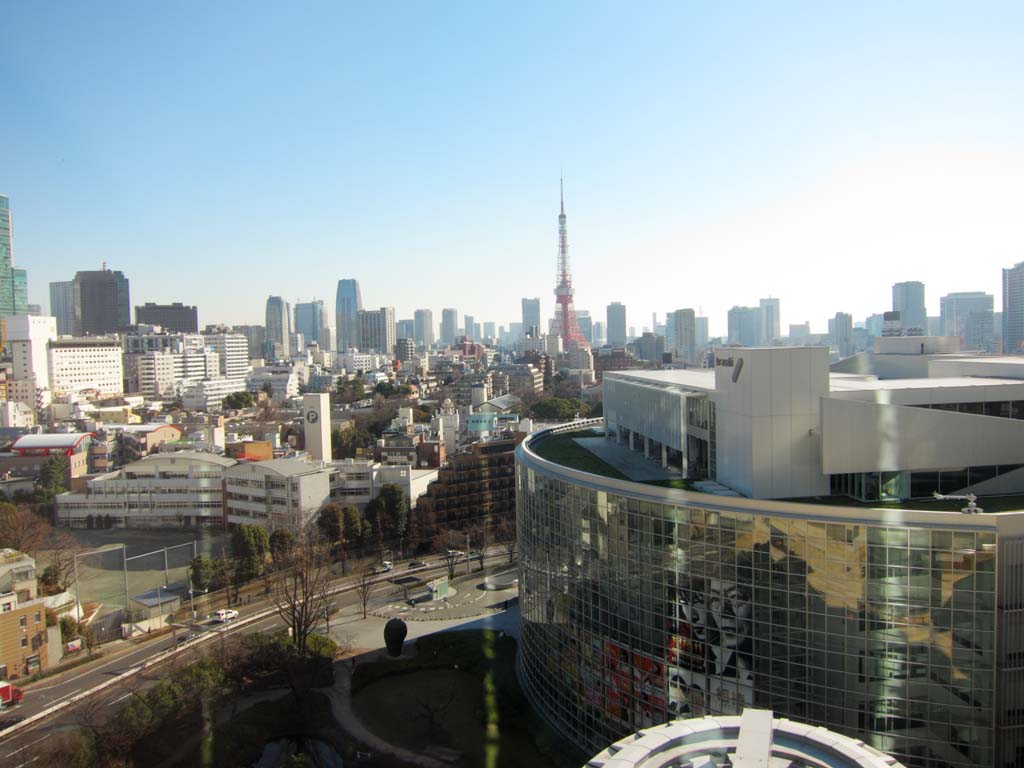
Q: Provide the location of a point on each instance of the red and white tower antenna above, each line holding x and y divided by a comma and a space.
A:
565, 324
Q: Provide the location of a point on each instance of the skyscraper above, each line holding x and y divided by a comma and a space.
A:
489, 331
174, 317
908, 300
700, 325
424, 330
13, 281
347, 306
102, 302
771, 327
531, 316
468, 327
449, 325
616, 328
586, 325
406, 329
279, 326
565, 326
745, 326
955, 310
377, 330
311, 320
62, 306
840, 329
1013, 309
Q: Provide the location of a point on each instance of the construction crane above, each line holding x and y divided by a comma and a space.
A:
970, 498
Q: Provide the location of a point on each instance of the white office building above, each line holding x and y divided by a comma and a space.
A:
86, 363
233, 349
28, 338
208, 394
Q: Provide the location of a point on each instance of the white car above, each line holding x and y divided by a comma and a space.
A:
225, 615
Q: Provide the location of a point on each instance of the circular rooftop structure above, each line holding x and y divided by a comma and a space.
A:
755, 739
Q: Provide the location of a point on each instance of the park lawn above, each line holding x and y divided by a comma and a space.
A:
564, 450
488, 719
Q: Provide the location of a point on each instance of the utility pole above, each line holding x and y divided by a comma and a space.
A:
468, 558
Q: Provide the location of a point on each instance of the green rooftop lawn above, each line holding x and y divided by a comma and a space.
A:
564, 450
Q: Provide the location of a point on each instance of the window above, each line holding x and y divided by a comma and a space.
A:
22, 621
24, 642
38, 617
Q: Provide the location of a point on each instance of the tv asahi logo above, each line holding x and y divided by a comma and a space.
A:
729, 362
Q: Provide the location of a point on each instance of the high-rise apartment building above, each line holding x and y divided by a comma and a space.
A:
469, 327
908, 300
377, 330
1013, 309
701, 332
62, 306
840, 330
424, 328
771, 328
348, 304
683, 333
233, 349
531, 316
616, 328
279, 327
176, 317
745, 326
956, 311
13, 281
449, 326
102, 302
312, 320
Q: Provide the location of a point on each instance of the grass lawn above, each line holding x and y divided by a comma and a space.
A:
673, 482
563, 449
459, 692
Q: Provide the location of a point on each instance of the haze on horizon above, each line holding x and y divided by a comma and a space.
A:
220, 153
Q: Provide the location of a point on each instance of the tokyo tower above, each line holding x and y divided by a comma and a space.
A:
565, 325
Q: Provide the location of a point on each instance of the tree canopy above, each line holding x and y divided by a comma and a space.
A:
239, 400
250, 545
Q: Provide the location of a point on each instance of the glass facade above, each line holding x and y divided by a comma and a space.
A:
636, 610
13, 281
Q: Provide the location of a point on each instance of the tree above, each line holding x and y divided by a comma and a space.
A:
62, 547
53, 477
373, 514
301, 593
353, 525
395, 511
547, 373
201, 572
22, 529
281, 543
250, 545
364, 587
238, 400
446, 543
506, 535
345, 443
329, 523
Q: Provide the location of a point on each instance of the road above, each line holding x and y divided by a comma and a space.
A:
15, 749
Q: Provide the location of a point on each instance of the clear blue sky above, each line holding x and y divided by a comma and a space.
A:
713, 153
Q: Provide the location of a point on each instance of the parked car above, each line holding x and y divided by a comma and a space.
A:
418, 564
225, 615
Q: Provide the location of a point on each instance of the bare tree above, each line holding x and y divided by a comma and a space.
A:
446, 543
364, 587
63, 546
21, 528
506, 535
432, 712
301, 589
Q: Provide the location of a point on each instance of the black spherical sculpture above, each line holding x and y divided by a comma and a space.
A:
394, 636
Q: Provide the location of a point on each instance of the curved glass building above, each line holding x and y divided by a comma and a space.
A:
642, 603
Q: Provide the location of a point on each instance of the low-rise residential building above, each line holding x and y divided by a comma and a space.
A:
174, 490
208, 394
23, 636
280, 493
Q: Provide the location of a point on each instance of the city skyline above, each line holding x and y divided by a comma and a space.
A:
822, 186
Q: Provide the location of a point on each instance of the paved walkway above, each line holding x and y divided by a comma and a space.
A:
633, 464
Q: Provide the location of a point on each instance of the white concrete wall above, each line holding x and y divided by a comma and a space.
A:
871, 437
767, 420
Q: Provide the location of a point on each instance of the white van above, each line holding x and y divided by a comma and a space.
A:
225, 615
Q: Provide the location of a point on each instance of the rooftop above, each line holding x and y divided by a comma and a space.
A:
50, 440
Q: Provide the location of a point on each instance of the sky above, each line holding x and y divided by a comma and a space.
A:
713, 153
